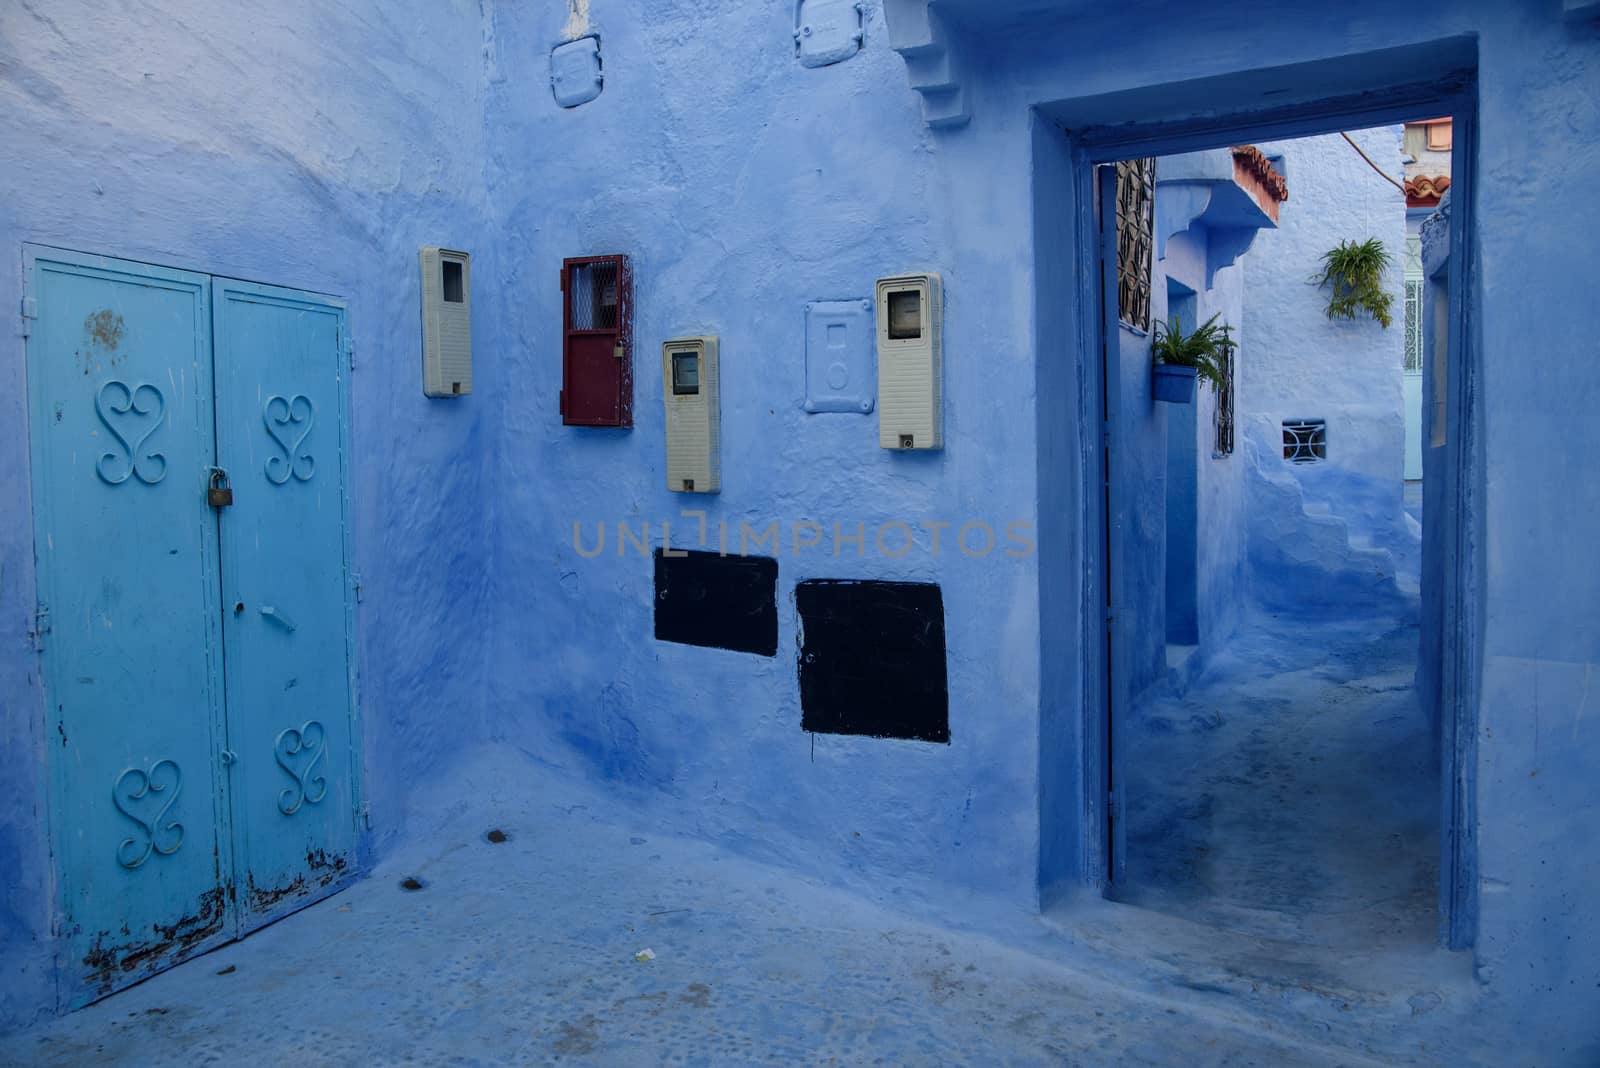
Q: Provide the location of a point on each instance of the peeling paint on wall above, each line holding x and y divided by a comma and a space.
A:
577, 19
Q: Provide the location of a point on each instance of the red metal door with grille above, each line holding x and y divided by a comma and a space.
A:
597, 341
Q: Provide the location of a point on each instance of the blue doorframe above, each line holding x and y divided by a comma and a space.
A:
1156, 121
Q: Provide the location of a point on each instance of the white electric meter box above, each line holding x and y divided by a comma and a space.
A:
446, 322
910, 310
694, 436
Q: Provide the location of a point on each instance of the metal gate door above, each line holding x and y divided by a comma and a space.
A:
280, 360
195, 646
119, 369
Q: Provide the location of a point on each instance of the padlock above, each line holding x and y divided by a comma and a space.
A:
219, 494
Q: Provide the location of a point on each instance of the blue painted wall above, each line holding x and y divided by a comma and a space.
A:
315, 148
1347, 372
744, 184
1215, 551
1439, 503
1068, 592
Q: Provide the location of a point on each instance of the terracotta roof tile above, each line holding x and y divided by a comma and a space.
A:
1258, 166
1424, 192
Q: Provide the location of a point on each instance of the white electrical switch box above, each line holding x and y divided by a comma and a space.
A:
689, 387
446, 322
910, 362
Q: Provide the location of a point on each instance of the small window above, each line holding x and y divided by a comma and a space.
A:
1413, 364
455, 290
1222, 417
1440, 135
905, 314
685, 374
1305, 441
1136, 218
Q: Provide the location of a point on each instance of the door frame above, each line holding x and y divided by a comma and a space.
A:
1100, 131
67, 993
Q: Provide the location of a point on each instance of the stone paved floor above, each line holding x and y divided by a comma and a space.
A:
523, 953
1293, 791
1239, 953
1283, 835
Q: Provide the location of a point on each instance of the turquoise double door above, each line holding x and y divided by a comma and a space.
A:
190, 498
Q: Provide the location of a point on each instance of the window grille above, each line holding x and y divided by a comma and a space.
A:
1223, 417
1414, 327
1305, 441
593, 291
1136, 183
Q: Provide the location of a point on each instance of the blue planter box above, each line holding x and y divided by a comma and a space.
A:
1174, 383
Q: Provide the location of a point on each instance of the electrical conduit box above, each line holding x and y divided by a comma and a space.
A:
597, 341
827, 31
910, 362
446, 322
689, 387
575, 75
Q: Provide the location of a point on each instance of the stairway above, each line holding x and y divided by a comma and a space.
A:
1304, 556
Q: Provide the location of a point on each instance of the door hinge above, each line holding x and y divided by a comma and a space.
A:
561, 404
41, 625
364, 814
355, 585
30, 312
348, 343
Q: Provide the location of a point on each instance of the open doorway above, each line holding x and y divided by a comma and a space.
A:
1274, 711
1276, 772
1281, 777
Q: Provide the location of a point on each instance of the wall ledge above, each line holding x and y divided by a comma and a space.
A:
1206, 187
932, 67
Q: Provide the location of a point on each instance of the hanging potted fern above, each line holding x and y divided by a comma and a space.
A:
1180, 359
1355, 271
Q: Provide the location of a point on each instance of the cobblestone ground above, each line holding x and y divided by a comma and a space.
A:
1234, 950
524, 952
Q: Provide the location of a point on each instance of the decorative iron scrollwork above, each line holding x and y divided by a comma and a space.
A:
1136, 213
132, 787
1223, 415
310, 744
133, 456
284, 416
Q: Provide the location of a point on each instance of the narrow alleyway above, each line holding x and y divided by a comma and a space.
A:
1282, 838
1282, 843
1293, 791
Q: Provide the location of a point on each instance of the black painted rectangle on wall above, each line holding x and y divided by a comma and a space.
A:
720, 602
872, 659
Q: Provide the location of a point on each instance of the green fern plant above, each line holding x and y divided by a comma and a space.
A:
1200, 349
1355, 271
